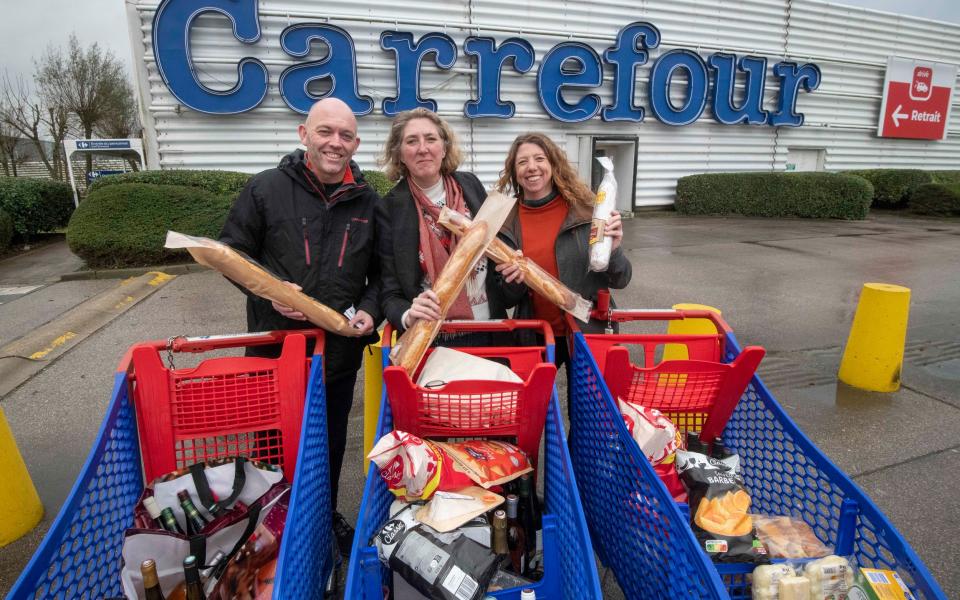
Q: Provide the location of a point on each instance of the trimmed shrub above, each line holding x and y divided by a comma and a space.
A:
125, 225
35, 205
816, 195
945, 176
6, 230
379, 182
892, 187
216, 182
936, 199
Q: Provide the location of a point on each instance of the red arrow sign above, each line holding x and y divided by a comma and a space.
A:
916, 100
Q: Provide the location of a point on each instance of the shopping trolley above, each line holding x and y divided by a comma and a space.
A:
506, 409
637, 528
161, 418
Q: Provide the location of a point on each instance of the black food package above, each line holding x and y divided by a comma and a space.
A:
719, 508
441, 566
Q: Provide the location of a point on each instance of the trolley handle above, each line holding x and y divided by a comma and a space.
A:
207, 343
466, 326
654, 314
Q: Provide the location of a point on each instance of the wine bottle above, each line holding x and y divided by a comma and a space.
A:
151, 582
195, 521
516, 538
153, 509
527, 515
500, 546
169, 521
191, 577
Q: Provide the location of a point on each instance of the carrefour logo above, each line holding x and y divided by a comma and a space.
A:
569, 65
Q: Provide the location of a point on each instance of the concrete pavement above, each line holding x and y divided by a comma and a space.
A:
788, 285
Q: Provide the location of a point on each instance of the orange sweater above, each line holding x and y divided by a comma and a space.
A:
538, 229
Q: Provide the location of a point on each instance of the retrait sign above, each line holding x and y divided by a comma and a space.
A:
916, 99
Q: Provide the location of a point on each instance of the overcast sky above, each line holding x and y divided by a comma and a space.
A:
40, 23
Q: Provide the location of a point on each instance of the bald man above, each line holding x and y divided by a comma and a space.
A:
311, 222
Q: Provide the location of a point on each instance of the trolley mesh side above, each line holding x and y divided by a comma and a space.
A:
635, 525
787, 474
306, 552
562, 498
81, 551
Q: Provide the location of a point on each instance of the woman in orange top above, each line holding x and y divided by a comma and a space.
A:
551, 225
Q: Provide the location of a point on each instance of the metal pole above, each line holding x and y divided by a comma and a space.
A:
73, 182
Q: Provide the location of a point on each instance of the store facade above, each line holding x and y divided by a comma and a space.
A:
666, 89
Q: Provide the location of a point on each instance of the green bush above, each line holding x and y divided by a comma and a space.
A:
818, 195
379, 182
216, 182
35, 205
6, 230
125, 225
892, 187
945, 176
936, 199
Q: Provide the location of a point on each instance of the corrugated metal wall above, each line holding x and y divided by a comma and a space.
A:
850, 45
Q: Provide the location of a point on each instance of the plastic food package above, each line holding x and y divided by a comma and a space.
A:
766, 581
414, 468
785, 537
602, 245
447, 511
830, 577
247, 273
412, 345
442, 566
487, 462
719, 507
535, 277
879, 584
656, 434
446, 364
796, 587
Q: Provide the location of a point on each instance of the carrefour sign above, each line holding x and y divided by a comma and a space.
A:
569, 65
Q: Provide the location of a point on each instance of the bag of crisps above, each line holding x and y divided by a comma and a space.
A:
487, 462
415, 468
719, 507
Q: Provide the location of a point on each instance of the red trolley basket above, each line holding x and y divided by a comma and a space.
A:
637, 528
522, 412
161, 418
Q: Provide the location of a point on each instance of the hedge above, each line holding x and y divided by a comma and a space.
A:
892, 187
817, 195
35, 205
216, 182
6, 230
379, 182
945, 176
936, 199
124, 225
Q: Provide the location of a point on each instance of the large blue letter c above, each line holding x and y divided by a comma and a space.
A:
171, 49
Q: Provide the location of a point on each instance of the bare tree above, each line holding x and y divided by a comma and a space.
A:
29, 117
11, 155
86, 81
123, 121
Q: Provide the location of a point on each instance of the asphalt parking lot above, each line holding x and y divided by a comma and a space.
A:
788, 285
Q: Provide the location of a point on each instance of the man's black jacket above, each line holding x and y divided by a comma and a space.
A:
283, 220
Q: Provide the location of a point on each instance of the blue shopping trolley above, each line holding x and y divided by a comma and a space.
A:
569, 564
285, 424
637, 528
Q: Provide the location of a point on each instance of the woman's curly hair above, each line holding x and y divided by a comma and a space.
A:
565, 180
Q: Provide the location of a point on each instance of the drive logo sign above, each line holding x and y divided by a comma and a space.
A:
916, 99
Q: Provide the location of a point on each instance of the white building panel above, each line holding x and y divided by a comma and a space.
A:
849, 45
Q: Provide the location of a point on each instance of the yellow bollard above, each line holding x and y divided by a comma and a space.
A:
687, 327
20, 507
873, 357
372, 392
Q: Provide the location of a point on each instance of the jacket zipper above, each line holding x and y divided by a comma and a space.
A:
306, 241
343, 247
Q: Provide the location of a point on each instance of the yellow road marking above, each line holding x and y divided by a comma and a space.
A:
63, 339
159, 278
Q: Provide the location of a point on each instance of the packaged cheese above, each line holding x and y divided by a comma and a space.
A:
795, 588
830, 577
766, 580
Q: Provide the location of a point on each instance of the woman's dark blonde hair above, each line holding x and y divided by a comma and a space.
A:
390, 160
565, 180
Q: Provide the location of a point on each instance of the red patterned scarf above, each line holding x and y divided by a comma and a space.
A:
436, 243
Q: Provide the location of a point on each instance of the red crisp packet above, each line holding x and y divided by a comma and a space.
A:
414, 468
488, 462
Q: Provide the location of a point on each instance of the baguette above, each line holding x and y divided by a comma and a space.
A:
536, 278
413, 344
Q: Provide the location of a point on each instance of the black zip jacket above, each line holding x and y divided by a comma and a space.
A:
326, 246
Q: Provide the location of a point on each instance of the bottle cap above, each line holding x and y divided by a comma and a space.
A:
148, 569
152, 507
528, 594
512, 502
